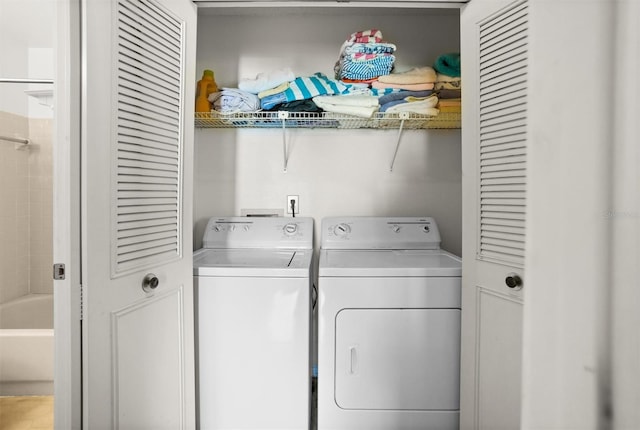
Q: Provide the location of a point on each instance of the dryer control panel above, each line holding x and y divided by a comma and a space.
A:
380, 233
250, 232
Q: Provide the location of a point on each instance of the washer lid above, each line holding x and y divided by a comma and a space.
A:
252, 262
363, 263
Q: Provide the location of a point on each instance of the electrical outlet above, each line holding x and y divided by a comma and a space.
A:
296, 199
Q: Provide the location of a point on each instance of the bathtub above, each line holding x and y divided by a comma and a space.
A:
26, 346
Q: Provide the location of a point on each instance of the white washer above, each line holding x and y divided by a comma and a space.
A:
388, 326
253, 281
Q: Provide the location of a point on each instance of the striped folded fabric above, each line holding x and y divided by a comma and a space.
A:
367, 69
366, 36
302, 88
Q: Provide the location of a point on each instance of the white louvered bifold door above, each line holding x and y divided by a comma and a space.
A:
502, 129
138, 364
146, 223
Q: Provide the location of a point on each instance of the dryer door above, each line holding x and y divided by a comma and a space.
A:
398, 359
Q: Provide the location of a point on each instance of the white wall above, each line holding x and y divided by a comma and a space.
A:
335, 172
26, 43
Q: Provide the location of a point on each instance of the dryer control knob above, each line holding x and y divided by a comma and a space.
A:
218, 227
396, 228
426, 229
290, 229
342, 229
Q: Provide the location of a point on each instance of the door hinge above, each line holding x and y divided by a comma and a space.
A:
58, 271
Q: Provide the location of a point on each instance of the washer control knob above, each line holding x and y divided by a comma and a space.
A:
426, 229
396, 228
232, 227
246, 228
342, 229
218, 228
290, 229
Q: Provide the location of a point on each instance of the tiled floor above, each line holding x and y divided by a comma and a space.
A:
26, 413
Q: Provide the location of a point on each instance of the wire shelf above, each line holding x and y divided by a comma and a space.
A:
380, 120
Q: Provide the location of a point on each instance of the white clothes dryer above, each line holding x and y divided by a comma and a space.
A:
252, 283
388, 326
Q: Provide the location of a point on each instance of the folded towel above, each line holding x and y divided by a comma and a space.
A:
366, 36
448, 82
231, 100
266, 81
417, 75
351, 48
448, 64
360, 106
409, 87
420, 105
400, 95
441, 77
280, 88
449, 94
420, 108
361, 101
450, 109
449, 102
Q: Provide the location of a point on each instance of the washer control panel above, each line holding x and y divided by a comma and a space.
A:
380, 233
258, 232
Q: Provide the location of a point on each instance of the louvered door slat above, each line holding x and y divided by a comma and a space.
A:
149, 158
146, 223
159, 123
160, 21
493, 26
136, 65
142, 139
135, 230
503, 67
133, 227
144, 194
129, 125
146, 30
146, 255
131, 96
501, 152
502, 222
492, 95
133, 145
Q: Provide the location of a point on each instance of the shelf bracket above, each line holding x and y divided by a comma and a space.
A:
403, 116
283, 115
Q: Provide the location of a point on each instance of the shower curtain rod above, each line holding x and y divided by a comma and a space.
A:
15, 139
25, 81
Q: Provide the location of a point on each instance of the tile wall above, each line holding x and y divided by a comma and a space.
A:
26, 254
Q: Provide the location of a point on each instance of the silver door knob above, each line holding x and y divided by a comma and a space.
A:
150, 282
514, 281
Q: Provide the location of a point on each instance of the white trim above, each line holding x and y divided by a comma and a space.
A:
66, 218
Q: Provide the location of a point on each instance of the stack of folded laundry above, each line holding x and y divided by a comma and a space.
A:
245, 98
448, 84
364, 56
301, 89
416, 79
412, 91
